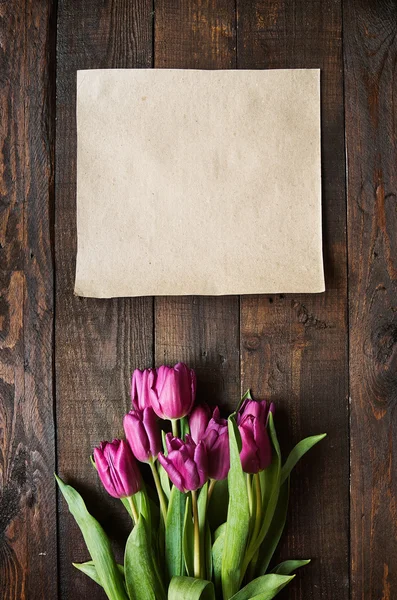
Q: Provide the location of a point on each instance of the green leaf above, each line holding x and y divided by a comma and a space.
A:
263, 588
141, 575
217, 508
188, 538
238, 517
208, 551
289, 566
188, 588
296, 454
184, 427
246, 396
271, 482
97, 542
88, 568
202, 514
164, 480
276, 528
143, 505
127, 506
217, 553
174, 533
165, 451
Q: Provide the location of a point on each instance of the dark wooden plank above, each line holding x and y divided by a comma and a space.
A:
293, 347
202, 331
28, 563
98, 342
370, 50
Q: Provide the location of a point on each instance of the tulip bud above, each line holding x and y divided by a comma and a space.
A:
143, 434
117, 468
141, 388
173, 391
198, 421
186, 463
256, 453
216, 440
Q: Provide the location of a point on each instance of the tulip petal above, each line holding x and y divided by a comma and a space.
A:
173, 473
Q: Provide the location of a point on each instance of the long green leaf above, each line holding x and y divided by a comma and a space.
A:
217, 553
296, 454
238, 517
141, 575
217, 507
188, 538
272, 481
271, 493
88, 568
202, 518
188, 588
174, 533
246, 396
289, 566
263, 588
184, 427
276, 528
165, 482
208, 551
97, 542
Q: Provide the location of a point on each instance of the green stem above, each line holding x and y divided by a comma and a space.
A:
210, 490
160, 492
258, 513
258, 519
174, 423
197, 557
134, 511
249, 491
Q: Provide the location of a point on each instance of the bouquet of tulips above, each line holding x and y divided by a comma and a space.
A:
207, 525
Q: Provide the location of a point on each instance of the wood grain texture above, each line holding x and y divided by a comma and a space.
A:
98, 342
370, 43
203, 331
28, 562
293, 347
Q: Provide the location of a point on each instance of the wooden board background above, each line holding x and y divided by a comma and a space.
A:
329, 360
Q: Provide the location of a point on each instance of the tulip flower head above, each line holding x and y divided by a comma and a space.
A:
198, 421
216, 440
143, 434
186, 463
141, 383
173, 391
256, 453
117, 468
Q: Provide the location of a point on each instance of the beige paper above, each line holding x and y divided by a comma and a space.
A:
198, 182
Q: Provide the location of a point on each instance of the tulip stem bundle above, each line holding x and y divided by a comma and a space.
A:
197, 550
222, 494
159, 489
134, 511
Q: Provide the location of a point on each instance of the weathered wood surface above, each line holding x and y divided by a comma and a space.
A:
97, 342
203, 331
293, 349
28, 550
370, 43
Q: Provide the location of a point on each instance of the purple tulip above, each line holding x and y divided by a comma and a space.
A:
216, 440
198, 421
141, 383
256, 453
117, 468
143, 434
186, 463
173, 391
